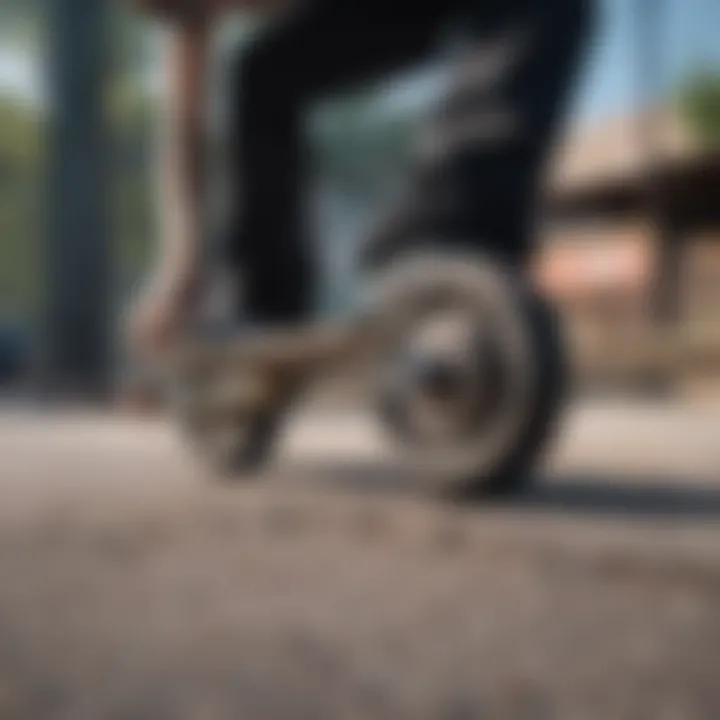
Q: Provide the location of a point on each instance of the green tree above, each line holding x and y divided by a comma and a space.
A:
700, 106
20, 211
129, 113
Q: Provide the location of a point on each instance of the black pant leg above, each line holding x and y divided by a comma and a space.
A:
328, 46
492, 133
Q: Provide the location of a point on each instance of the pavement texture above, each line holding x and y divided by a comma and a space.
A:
134, 586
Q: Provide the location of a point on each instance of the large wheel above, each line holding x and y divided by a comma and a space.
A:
470, 371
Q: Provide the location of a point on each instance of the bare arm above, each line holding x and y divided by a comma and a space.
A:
173, 293
182, 143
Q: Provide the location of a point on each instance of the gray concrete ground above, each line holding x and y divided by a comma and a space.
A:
132, 586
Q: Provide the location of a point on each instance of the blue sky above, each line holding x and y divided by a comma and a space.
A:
690, 38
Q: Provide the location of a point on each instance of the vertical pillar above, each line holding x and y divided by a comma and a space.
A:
667, 292
76, 356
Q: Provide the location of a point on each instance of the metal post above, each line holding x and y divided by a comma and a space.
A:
666, 301
76, 342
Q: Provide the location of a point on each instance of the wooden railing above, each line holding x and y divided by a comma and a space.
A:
693, 348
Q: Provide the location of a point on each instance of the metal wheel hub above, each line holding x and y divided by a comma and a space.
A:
445, 380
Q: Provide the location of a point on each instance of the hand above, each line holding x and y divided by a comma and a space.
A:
164, 310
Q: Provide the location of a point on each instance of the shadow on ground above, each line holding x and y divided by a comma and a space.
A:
602, 494
584, 493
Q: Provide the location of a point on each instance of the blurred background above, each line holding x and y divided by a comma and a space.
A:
628, 245
133, 587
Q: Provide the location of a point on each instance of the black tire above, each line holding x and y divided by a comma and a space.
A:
258, 433
514, 472
255, 445
504, 466
238, 445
